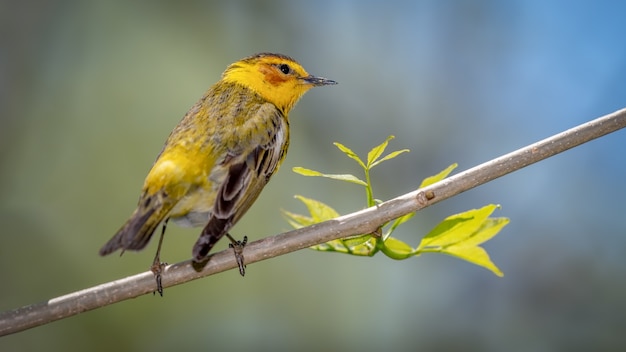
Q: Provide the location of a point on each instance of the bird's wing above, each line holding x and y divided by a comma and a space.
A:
249, 167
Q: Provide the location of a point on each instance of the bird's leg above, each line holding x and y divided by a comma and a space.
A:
157, 266
237, 247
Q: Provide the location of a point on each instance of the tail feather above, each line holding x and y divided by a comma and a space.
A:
212, 232
137, 231
134, 235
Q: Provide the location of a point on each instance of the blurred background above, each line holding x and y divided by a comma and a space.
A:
90, 90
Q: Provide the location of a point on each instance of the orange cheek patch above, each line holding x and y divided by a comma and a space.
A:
272, 76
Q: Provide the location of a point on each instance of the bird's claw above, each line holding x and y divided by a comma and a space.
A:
237, 247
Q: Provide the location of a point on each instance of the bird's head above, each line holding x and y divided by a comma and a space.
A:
279, 79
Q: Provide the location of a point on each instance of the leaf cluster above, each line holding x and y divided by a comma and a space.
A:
458, 235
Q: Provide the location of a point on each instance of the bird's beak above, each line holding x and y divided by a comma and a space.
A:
318, 81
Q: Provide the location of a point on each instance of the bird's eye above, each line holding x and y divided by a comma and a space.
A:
284, 68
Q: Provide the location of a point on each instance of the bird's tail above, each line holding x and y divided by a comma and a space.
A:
137, 231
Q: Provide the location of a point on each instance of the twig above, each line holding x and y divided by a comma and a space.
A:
360, 222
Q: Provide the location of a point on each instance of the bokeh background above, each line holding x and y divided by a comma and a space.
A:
90, 90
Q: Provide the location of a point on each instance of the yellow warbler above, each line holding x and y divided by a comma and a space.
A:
219, 157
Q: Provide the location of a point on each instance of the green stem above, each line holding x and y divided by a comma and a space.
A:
368, 189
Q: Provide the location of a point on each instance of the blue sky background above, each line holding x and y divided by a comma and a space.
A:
90, 90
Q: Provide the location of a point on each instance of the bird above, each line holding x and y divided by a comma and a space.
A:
219, 157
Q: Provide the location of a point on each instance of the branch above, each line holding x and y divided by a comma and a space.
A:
364, 221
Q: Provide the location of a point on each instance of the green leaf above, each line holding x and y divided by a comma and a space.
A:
438, 177
457, 228
331, 246
474, 254
318, 210
396, 249
349, 153
296, 220
342, 177
355, 241
489, 228
377, 151
306, 172
389, 156
364, 248
460, 235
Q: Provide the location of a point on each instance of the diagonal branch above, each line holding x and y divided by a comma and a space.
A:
364, 221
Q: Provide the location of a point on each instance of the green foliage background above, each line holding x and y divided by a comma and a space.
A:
90, 90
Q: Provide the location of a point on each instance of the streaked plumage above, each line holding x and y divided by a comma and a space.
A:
220, 156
